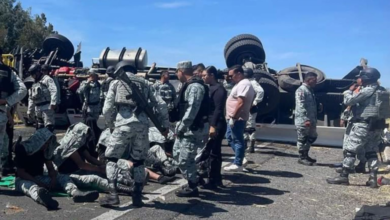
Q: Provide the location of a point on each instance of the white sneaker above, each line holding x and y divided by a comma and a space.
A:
244, 162
233, 168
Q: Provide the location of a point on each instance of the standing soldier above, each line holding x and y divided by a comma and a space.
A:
367, 124
42, 98
12, 91
192, 111
130, 130
306, 118
89, 92
106, 84
250, 130
166, 90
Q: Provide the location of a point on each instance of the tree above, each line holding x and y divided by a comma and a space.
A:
19, 28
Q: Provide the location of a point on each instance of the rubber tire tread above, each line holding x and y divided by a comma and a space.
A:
244, 46
239, 38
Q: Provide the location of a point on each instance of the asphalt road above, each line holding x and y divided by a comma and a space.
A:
275, 187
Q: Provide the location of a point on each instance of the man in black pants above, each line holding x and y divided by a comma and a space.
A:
218, 96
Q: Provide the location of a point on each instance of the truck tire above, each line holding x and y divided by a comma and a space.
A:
65, 47
260, 74
244, 49
240, 38
288, 78
271, 96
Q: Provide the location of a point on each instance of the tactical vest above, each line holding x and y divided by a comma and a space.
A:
40, 94
106, 85
6, 86
181, 105
124, 93
92, 99
379, 105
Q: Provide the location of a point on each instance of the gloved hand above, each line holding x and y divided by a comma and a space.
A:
231, 122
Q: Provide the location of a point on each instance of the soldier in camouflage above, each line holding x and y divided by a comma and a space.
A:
42, 98
130, 131
365, 131
165, 89
89, 92
191, 109
30, 157
12, 91
70, 158
106, 84
306, 118
250, 130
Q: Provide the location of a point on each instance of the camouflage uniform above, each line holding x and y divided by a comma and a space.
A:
228, 86
305, 110
130, 130
360, 136
90, 92
167, 92
156, 154
188, 141
42, 95
19, 93
251, 123
33, 145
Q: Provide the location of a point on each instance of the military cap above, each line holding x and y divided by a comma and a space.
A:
92, 71
184, 65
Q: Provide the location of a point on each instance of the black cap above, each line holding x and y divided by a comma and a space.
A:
248, 73
127, 66
110, 70
46, 67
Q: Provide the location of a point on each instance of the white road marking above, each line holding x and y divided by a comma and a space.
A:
159, 193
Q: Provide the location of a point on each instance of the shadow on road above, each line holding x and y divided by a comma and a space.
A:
191, 208
278, 153
9, 192
245, 179
285, 174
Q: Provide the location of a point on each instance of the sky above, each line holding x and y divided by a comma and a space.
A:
331, 35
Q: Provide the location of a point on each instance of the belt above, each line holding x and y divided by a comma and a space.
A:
42, 103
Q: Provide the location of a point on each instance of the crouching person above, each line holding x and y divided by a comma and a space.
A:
30, 157
71, 158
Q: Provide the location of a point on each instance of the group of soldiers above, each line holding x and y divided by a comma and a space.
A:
142, 119
367, 107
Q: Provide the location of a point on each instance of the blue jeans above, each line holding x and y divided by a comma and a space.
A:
235, 138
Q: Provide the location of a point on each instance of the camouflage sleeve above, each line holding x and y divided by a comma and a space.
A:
259, 92
345, 115
194, 95
20, 90
300, 107
109, 105
351, 98
31, 105
81, 90
160, 106
51, 86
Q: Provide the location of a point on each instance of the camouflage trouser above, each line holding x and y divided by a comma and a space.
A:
133, 136
93, 112
206, 128
156, 154
4, 151
251, 123
360, 137
3, 138
45, 117
361, 153
30, 189
184, 152
306, 136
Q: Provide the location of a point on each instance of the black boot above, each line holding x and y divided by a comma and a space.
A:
45, 199
137, 195
165, 179
303, 159
360, 168
125, 189
372, 180
88, 196
188, 191
211, 185
126, 179
112, 198
340, 180
309, 158
252, 147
